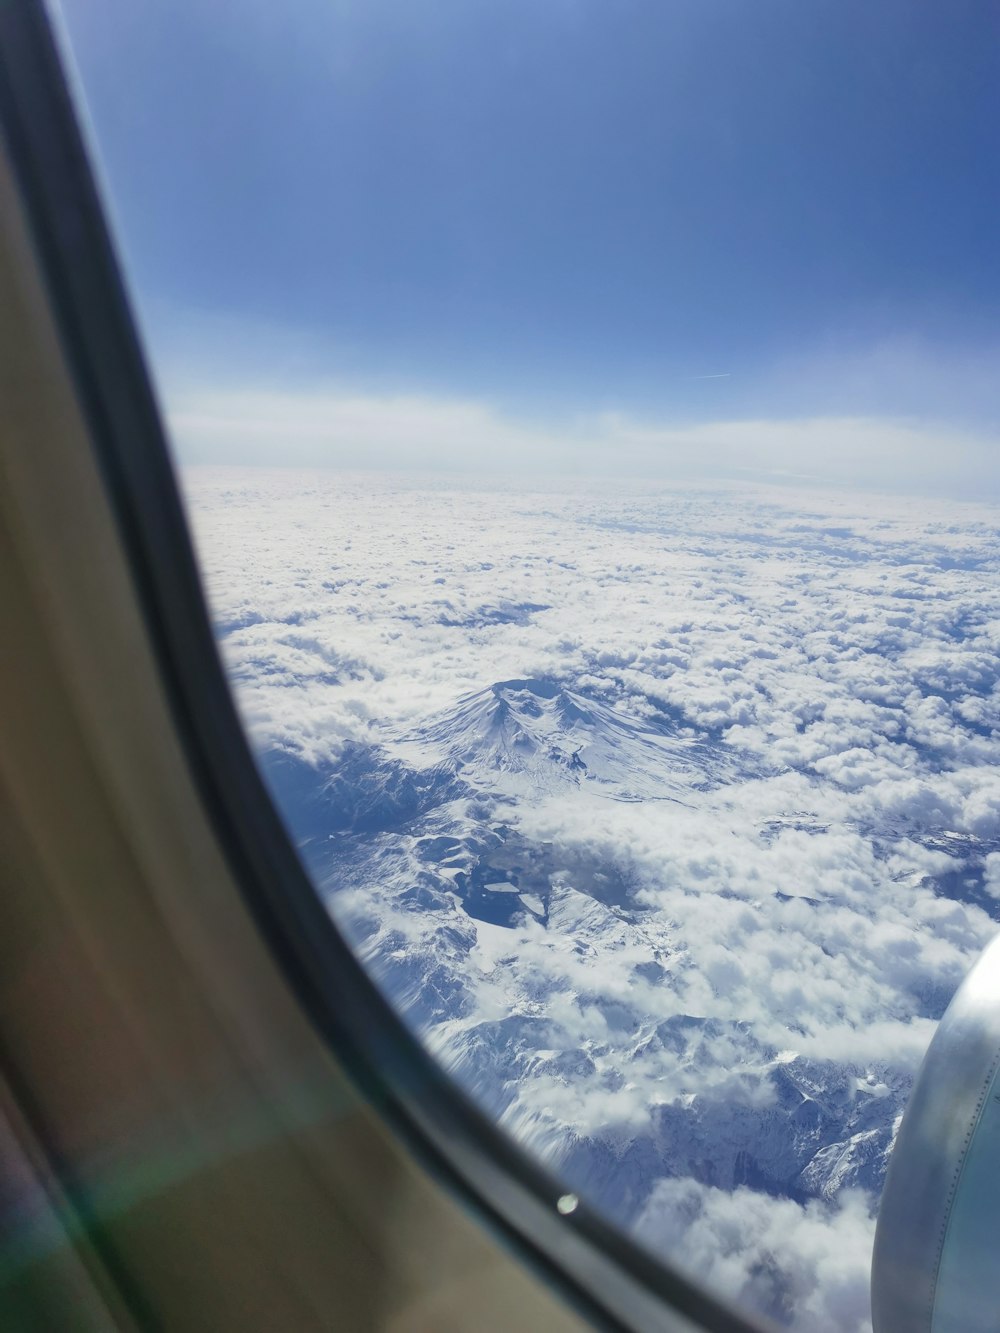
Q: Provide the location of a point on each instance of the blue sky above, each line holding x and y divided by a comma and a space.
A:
670, 212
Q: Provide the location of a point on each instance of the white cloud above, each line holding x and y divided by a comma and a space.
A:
804, 918
774, 1255
330, 427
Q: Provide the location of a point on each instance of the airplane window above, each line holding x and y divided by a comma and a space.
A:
587, 419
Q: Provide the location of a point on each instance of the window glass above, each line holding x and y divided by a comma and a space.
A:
587, 414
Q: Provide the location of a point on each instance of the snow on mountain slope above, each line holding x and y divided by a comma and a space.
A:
586, 997
541, 733
547, 975
570, 1025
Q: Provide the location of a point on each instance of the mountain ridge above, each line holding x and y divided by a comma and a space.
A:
555, 737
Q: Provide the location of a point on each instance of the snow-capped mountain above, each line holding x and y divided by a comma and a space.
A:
543, 973
545, 736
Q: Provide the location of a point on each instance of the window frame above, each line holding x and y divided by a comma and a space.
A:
609, 1278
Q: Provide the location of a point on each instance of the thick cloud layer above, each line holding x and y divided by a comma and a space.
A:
702, 1000
773, 1255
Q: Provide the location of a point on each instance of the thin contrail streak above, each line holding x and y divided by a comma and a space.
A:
726, 374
